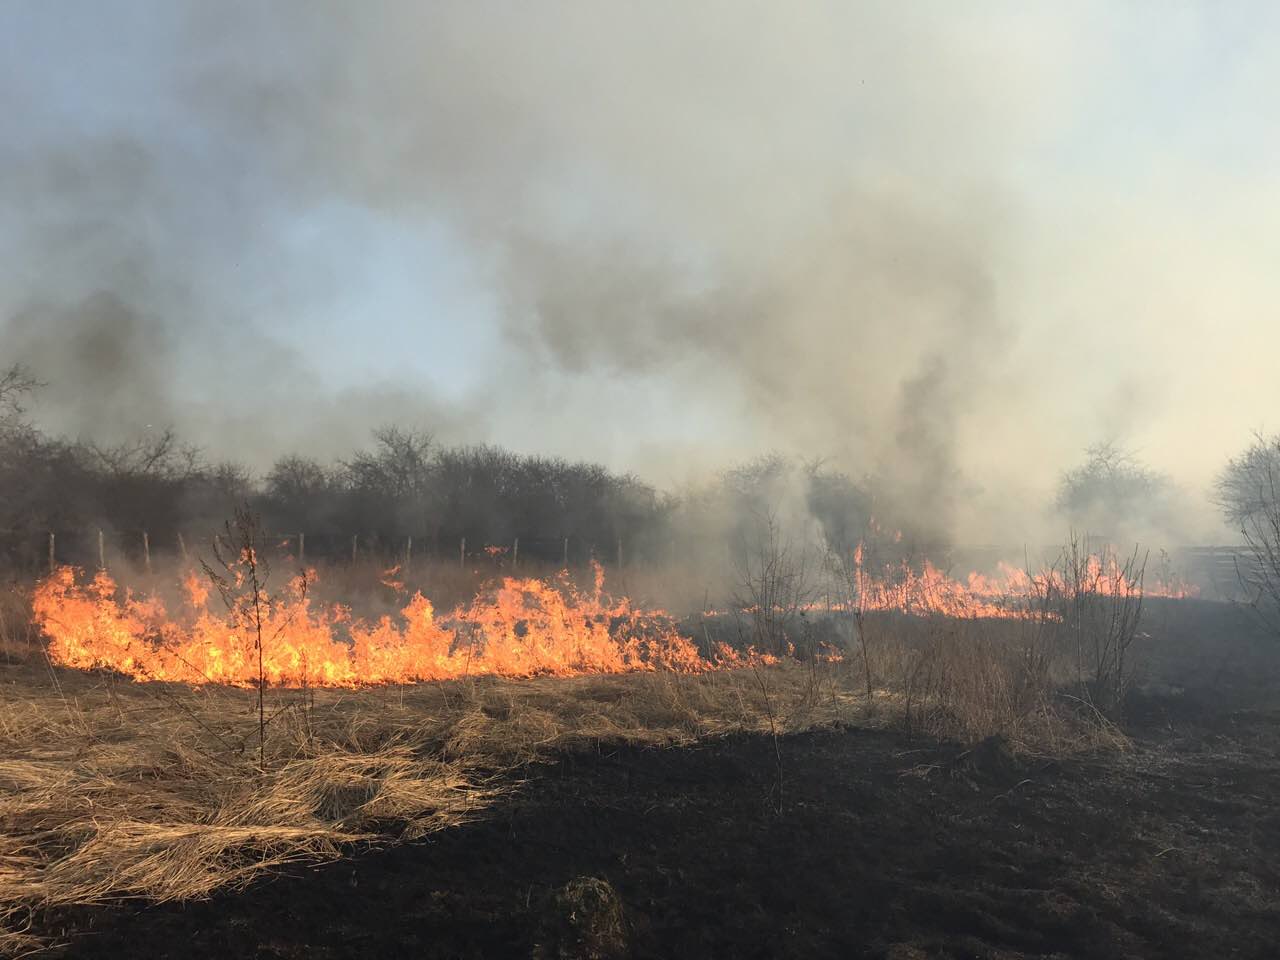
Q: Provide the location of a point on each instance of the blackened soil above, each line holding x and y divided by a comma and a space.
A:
884, 847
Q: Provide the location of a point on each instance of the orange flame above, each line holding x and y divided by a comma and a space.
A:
522, 628
518, 628
1006, 595
388, 579
1011, 593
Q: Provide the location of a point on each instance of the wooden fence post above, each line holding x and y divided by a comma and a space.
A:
566, 553
302, 549
408, 552
53, 563
355, 540
515, 553
462, 553
182, 547
102, 551
146, 550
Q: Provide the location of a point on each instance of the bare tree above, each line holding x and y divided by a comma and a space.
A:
1113, 489
17, 384
1248, 492
1245, 485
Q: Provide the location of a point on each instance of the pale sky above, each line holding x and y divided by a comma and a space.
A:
660, 235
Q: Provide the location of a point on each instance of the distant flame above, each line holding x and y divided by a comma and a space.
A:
388, 579
1009, 594
1006, 595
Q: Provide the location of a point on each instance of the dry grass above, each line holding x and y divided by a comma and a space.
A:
20, 638
968, 680
111, 789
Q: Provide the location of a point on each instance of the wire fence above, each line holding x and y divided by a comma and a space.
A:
103, 548
1217, 570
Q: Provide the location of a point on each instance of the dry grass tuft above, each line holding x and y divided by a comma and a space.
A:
969, 680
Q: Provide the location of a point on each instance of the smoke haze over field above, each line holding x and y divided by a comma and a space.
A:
951, 246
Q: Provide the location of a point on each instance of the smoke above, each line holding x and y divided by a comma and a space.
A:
695, 209
661, 235
97, 353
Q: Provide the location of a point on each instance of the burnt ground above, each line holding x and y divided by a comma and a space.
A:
884, 847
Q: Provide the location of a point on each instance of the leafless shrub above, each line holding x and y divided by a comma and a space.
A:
773, 592
776, 795
241, 581
1098, 598
849, 569
856, 602
773, 586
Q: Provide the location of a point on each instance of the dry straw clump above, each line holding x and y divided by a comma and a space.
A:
111, 790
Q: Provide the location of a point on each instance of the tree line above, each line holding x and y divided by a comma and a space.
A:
403, 484
406, 484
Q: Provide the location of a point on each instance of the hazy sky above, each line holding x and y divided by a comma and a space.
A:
961, 240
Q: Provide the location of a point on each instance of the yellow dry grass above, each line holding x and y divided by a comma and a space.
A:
113, 790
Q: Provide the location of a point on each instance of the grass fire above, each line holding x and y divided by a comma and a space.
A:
605, 481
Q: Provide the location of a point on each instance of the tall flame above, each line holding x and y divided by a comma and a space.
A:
519, 628
524, 627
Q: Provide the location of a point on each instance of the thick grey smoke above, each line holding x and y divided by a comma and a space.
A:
698, 232
679, 196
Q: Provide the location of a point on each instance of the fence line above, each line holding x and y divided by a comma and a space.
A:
1208, 565
101, 550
